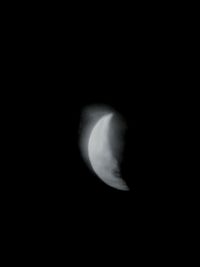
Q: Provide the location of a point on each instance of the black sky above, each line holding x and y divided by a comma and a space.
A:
128, 68
58, 61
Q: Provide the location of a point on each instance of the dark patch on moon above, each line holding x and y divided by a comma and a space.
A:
117, 137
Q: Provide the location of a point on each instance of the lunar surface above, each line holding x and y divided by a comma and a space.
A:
99, 149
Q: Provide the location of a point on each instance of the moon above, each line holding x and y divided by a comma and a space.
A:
101, 156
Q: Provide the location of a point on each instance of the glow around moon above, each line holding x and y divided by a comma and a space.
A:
97, 142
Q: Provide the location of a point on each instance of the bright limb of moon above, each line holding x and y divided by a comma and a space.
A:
101, 157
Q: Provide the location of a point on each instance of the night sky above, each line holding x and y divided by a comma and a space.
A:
123, 70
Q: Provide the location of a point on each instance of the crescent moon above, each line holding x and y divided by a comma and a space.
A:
101, 157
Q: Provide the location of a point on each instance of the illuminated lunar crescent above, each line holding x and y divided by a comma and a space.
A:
101, 156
